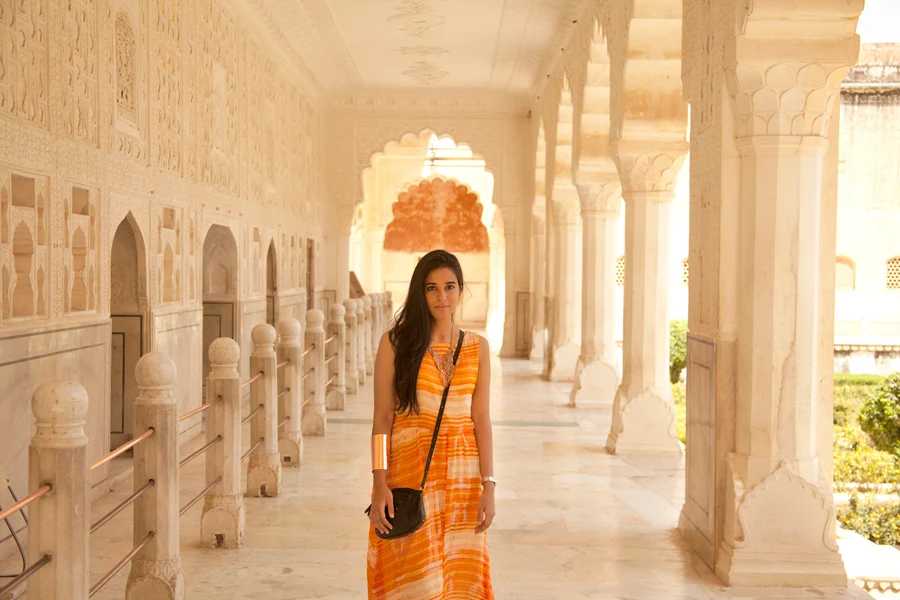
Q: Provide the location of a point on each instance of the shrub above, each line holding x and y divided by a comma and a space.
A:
880, 415
678, 393
855, 462
677, 348
877, 521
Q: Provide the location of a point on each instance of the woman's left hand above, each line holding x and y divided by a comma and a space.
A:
486, 508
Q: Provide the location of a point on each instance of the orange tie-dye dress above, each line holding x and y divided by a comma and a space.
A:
445, 559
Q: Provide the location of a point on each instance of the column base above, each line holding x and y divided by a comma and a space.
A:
352, 385
155, 580
290, 447
595, 384
370, 366
537, 344
565, 360
313, 422
361, 376
264, 475
646, 423
779, 533
222, 521
334, 399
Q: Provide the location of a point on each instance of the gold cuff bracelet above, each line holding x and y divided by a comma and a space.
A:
380, 451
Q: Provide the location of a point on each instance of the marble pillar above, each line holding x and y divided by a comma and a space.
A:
779, 525
566, 314
314, 416
336, 394
264, 466
644, 418
368, 355
156, 572
361, 340
538, 272
596, 376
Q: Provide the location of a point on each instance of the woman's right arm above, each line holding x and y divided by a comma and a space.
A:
382, 424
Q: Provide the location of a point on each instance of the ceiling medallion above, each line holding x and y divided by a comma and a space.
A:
416, 17
425, 73
422, 50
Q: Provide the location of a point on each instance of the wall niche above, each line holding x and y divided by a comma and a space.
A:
82, 256
23, 246
169, 255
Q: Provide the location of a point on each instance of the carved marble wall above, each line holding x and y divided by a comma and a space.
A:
175, 111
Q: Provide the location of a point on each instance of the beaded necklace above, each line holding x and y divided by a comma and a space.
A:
444, 363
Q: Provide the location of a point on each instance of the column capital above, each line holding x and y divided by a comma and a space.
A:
785, 86
648, 165
600, 197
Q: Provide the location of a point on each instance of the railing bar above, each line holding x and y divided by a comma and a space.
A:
252, 379
333, 356
128, 501
251, 415
26, 501
122, 449
253, 447
307, 374
197, 453
200, 409
283, 421
330, 381
196, 498
44, 560
283, 392
11, 536
331, 339
283, 364
308, 350
96, 588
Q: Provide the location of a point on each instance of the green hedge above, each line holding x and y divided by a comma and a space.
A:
852, 379
855, 461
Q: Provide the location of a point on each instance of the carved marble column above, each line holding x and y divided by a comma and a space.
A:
538, 270
644, 418
290, 435
368, 355
779, 525
596, 376
566, 314
361, 360
314, 416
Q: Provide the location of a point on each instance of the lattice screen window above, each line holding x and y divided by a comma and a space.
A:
685, 271
893, 273
620, 270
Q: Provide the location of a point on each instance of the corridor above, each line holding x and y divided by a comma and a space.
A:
573, 521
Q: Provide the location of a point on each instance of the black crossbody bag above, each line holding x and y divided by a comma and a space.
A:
409, 504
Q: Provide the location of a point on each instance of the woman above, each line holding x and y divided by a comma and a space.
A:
447, 557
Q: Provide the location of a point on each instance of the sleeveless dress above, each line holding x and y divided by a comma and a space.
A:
444, 559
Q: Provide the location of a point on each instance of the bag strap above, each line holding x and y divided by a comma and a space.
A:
437, 424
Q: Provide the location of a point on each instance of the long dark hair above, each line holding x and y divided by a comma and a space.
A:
411, 332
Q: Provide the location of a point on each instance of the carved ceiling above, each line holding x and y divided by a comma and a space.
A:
382, 47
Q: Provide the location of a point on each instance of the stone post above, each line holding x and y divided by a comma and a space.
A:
644, 418
538, 270
337, 391
370, 355
779, 525
352, 335
389, 300
156, 570
290, 435
314, 419
377, 317
361, 340
222, 520
264, 468
596, 376
59, 521
566, 329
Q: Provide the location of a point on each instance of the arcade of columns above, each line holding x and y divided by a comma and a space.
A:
754, 85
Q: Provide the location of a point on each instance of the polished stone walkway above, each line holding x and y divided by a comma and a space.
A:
573, 522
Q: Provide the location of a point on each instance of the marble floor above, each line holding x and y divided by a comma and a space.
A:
573, 522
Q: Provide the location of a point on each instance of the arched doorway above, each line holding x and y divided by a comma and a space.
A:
220, 277
271, 285
128, 309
